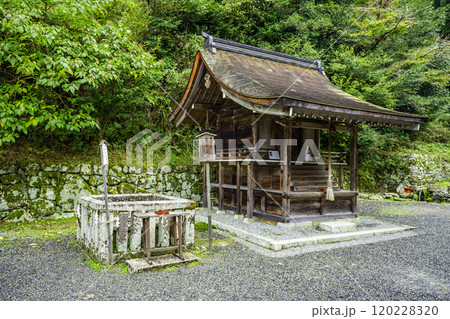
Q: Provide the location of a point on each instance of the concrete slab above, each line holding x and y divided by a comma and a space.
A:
300, 237
338, 226
135, 265
295, 225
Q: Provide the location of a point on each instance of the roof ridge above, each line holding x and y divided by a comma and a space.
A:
212, 43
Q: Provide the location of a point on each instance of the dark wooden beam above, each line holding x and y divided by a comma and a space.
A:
238, 188
221, 176
251, 173
354, 165
250, 196
321, 125
263, 204
286, 153
207, 106
351, 116
341, 177
205, 197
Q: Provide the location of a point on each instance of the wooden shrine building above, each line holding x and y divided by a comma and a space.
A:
252, 99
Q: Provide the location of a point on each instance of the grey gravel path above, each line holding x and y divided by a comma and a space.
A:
405, 268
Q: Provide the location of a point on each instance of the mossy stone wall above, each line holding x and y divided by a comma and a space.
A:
422, 171
31, 191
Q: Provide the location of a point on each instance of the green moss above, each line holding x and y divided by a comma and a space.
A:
202, 226
192, 205
194, 263
170, 268
443, 184
39, 229
94, 265
10, 179
126, 188
15, 214
15, 193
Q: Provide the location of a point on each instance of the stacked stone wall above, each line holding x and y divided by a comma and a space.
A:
32, 191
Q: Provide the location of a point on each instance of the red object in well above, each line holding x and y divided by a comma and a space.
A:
407, 189
162, 212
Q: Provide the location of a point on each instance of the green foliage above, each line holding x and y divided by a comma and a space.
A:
94, 265
76, 72
378, 161
57, 59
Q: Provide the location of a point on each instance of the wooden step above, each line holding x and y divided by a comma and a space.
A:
318, 195
310, 173
305, 178
318, 183
308, 167
313, 188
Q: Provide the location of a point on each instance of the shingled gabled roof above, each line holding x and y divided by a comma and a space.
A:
274, 83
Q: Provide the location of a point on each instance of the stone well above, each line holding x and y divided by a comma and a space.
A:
126, 229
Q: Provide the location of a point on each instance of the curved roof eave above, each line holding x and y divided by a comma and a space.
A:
277, 102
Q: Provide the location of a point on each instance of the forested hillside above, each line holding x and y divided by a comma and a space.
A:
74, 72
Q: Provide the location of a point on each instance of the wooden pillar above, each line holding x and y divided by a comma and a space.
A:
238, 187
233, 156
322, 205
205, 197
220, 172
286, 151
263, 204
250, 197
251, 173
341, 177
208, 193
354, 164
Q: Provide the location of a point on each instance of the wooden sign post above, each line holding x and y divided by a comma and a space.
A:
207, 154
104, 155
208, 195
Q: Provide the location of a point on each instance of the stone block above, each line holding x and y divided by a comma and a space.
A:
391, 195
338, 226
3, 205
32, 169
52, 168
12, 169
249, 220
86, 169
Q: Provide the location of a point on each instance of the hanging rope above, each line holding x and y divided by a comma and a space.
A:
330, 193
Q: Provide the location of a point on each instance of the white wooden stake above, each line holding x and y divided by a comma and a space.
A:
104, 155
208, 198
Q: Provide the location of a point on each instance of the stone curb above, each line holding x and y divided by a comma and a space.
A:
278, 245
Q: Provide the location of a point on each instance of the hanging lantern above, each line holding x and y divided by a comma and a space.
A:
207, 147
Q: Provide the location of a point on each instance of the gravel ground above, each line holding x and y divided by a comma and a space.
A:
407, 268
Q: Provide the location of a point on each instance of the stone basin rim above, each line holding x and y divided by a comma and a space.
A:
160, 201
